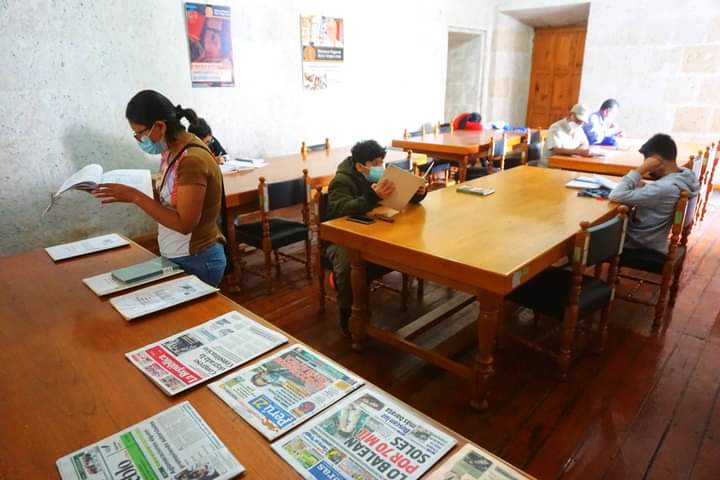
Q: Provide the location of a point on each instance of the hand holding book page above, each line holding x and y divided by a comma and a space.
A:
90, 176
406, 185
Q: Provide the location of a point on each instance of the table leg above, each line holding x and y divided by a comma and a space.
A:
486, 329
359, 318
463, 169
236, 277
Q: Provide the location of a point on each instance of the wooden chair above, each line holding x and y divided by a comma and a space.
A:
304, 148
569, 294
714, 154
272, 233
706, 176
531, 148
496, 156
406, 164
375, 272
669, 266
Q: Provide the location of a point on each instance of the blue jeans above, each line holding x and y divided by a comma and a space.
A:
208, 265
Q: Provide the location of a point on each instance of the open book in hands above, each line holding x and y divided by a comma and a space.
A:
90, 176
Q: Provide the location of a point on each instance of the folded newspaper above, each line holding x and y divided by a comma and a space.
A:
161, 296
471, 463
86, 247
286, 389
192, 356
90, 176
105, 283
367, 435
174, 444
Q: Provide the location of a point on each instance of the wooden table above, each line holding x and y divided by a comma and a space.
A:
618, 161
460, 146
241, 188
485, 246
67, 383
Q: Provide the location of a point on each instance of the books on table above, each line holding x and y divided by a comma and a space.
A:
188, 358
161, 296
471, 463
475, 190
592, 182
90, 176
242, 164
406, 185
142, 270
286, 389
366, 435
86, 247
174, 442
105, 283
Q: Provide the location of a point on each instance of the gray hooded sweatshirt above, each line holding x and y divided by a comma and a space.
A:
650, 225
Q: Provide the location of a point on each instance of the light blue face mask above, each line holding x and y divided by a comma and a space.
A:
375, 174
153, 148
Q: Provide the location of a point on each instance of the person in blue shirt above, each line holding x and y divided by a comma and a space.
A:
601, 128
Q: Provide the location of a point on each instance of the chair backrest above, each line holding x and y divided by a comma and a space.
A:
304, 147
405, 164
445, 127
498, 146
697, 162
603, 241
274, 196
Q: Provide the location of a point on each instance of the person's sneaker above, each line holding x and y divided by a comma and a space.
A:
345, 321
525, 315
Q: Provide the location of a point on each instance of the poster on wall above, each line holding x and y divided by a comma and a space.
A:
323, 51
208, 31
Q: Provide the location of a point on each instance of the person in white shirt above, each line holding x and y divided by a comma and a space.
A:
566, 136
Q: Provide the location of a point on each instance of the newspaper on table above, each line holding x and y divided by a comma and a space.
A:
471, 463
184, 360
285, 389
159, 297
105, 283
368, 435
85, 247
174, 444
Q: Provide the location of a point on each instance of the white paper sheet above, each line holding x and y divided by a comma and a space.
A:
85, 247
406, 185
105, 284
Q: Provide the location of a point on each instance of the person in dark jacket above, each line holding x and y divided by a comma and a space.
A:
355, 190
202, 130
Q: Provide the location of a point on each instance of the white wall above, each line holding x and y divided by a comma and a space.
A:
70, 68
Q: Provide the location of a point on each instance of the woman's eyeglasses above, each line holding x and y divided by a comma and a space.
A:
138, 135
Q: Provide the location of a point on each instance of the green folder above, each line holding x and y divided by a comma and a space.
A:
155, 267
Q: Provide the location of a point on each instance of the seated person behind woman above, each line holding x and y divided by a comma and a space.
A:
566, 136
468, 121
201, 129
601, 128
189, 192
650, 224
356, 189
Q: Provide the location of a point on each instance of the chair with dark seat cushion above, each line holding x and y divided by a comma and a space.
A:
272, 233
374, 272
569, 294
667, 266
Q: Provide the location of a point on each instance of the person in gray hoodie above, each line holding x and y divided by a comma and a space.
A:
654, 202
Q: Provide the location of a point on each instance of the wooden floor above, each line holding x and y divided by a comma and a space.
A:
646, 408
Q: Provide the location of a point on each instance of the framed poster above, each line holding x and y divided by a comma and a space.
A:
323, 51
210, 42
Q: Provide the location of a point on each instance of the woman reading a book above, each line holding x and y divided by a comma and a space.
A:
189, 192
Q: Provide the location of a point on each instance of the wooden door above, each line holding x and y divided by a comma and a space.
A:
555, 77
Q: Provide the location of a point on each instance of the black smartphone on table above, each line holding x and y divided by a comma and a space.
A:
365, 220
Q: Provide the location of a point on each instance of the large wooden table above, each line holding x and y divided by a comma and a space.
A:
459, 146
67, 383
241, 188
618, 160
485, 246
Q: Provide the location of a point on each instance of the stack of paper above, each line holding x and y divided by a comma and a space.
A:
367, 435
192, 356
471, 463
285, 390
242, 164
161, 296
176, 440
87, 246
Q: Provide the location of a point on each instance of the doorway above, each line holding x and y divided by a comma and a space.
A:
557, 61
464, 85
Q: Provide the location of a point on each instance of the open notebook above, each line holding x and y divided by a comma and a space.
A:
594, 181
